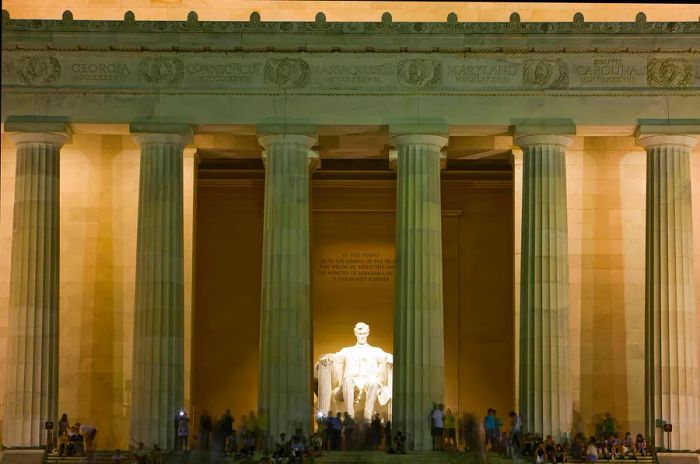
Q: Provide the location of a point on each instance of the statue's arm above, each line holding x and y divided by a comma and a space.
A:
336, 361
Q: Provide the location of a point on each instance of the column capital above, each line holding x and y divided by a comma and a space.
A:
653, 133
526, 141
304, 142
402, 139
147, 133
440, 141
31, 129
656, 140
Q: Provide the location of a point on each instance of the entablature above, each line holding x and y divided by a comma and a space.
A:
242, 72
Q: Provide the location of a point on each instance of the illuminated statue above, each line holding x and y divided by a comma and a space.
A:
355, 373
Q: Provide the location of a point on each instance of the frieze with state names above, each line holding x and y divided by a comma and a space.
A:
309, 73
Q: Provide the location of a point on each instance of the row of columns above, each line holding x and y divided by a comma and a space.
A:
285, 332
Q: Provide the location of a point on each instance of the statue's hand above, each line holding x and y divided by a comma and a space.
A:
389, 358
326, 360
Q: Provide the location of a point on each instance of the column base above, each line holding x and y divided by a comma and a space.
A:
23, 456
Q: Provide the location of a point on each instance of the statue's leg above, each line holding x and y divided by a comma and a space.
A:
349, 396
371, 389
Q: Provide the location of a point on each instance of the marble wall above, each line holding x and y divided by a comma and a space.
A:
98, 211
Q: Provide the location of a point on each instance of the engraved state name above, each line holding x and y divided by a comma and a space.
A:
483, 73
224, 72
100, 71
352, 73
608, 71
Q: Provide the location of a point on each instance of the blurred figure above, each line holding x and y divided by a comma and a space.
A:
205, 428
473, 437
450, 430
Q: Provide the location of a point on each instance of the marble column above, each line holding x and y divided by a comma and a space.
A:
158, 351
418, 327
672, 376
31, 395
544, 385
284, 396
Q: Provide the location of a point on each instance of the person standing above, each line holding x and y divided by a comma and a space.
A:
490, 430
141, 454
376, 431
228, 424
516, 426
439, 425
205, 428
450, 430
432, 424
336, 431
183, 431
252, 427
348, 430
498, 423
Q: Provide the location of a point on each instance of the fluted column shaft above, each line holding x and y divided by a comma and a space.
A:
545, 396
285, 325
672, 374
158, 352
31, 395
418, 319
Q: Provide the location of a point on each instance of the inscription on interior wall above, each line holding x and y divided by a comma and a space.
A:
357, 266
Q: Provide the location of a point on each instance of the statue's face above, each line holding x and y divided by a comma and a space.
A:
362, 334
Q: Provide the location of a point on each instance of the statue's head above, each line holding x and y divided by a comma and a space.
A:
361, 333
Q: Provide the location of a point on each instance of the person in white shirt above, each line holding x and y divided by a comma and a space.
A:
592, 451
438, 417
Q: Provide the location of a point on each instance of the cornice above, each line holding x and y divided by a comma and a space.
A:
320, 26
622, 93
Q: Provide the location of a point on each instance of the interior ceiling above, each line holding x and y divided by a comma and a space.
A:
351, 144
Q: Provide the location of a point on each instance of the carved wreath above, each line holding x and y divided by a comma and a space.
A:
38, 70
420, 74
546, 74
669, 72
287, 73
162, 71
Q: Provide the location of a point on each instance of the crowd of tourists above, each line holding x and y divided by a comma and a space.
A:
336, 431
606, 444
340, 431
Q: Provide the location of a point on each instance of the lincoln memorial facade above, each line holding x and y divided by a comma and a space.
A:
195, 210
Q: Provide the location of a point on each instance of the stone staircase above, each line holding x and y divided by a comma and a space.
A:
328, 457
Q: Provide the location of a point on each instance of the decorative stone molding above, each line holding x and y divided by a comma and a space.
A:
419, 73
365, 73
670, 72
287, 73
161, 71
37, 70
546, 74
255, 25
